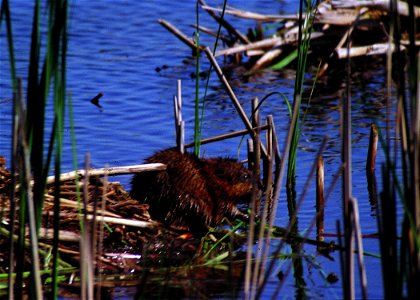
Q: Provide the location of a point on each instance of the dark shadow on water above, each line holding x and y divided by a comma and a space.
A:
372, 190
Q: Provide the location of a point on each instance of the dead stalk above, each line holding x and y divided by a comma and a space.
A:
358, 236
373, 147
179, 122
86, 263
320, 199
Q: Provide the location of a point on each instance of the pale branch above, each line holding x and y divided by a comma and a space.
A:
109, 171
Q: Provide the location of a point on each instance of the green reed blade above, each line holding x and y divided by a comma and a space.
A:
5, 12
305, 25
200, 127
197, 86
285, 61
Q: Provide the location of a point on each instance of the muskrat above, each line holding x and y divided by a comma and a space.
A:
193, 193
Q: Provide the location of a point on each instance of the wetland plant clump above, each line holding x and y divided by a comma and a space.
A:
193, 193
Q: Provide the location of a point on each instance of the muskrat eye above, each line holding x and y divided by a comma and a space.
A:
244, 177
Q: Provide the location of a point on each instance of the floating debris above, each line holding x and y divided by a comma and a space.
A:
336, 30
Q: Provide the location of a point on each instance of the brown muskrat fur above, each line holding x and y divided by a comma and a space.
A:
193, 193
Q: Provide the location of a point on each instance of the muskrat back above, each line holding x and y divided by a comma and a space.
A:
193, 193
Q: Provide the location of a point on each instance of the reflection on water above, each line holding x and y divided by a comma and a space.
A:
115, 49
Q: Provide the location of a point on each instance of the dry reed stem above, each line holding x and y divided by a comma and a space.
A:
250, 283
373, 147
257, 152
259, 266
358, 236
179, 122
41, 245
346, 160
251, 155
256, 202
269, 166
12, 213
232, 30
74, 204
276, 196
232, 96
64, 235
86, 258
119, 221
320, 199
416, 154
99, 245
225, 136
250, 235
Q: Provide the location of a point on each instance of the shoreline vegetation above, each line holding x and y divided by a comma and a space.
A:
80, 234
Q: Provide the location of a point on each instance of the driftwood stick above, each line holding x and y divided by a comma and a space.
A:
403, 9
120, 221
188, 41
339, 45
285, 39
374, 49
110, 171
225, 136
230, 91
212, 33
266, 59
251, 15
232, 30
266, 43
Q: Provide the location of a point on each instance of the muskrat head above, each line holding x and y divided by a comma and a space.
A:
232, 177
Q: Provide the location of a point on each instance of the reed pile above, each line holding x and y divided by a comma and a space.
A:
338, 30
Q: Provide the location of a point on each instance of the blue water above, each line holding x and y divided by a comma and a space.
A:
115, 48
